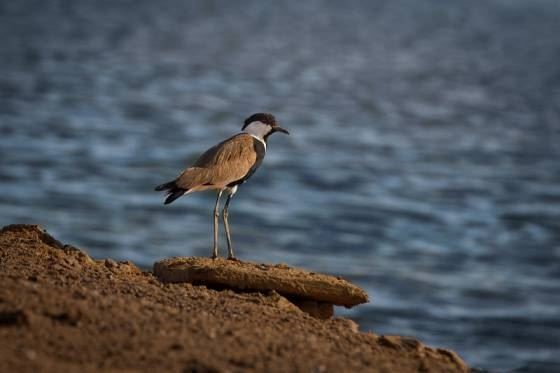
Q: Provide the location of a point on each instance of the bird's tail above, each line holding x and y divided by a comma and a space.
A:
172, 190
165, 186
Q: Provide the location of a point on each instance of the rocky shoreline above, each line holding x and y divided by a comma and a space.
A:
60, 310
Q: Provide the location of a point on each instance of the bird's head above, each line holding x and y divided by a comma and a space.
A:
262, 125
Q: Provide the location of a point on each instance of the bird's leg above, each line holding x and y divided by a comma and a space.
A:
231, 256
216, 216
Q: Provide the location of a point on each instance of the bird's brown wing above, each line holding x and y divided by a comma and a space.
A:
221, 165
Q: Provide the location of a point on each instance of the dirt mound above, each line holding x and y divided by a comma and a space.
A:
62, 311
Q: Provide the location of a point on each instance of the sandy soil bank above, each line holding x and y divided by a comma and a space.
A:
60, 310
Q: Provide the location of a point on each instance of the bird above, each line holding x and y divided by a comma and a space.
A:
224, 167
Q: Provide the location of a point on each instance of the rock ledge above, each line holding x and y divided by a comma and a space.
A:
312, 292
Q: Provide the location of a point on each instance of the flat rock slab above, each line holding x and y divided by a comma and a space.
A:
246, 276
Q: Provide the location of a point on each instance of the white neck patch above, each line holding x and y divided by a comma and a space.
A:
258, 130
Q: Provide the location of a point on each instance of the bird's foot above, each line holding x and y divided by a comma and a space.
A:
231, 257
214, 256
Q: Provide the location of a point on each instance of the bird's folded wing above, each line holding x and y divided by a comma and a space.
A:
222, 164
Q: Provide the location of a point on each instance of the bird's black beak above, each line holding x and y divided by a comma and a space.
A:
280, 129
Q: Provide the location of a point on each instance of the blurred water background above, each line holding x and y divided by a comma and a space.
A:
423, 162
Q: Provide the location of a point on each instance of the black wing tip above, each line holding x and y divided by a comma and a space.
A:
173, 195
173, 191
165, 186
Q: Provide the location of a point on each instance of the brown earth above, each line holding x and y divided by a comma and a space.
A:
62, 311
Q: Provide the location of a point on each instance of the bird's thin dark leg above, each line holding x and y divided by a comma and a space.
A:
231, 256
216, 216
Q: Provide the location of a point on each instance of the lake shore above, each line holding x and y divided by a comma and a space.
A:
60, 310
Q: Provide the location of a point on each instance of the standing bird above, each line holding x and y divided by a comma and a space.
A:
224, 166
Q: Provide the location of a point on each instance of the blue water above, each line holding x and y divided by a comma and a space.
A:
424, 160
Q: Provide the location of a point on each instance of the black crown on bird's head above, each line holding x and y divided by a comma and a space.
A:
265, 118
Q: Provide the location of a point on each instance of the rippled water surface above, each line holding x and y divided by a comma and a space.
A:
424, 160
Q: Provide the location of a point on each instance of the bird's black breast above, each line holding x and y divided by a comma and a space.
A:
260, 150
